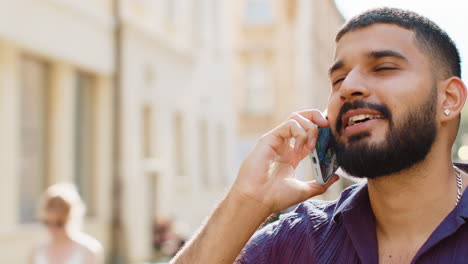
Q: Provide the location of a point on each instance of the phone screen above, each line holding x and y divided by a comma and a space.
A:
323, 157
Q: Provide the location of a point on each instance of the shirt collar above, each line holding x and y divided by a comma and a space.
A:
351, 198
353, 210
357, 194
462, 207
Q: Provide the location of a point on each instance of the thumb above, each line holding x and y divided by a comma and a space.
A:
317, 189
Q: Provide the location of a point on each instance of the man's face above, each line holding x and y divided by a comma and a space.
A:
383, 101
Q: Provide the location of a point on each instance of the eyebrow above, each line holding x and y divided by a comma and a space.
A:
386, 53
336, 66
371, 55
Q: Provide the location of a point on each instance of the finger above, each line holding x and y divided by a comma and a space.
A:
315, 116
317, 189
334, 179
292, 129
300, 136
309, 127
311, 188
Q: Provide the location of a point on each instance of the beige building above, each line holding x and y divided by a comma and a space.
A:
158, 142
283, 50
177, 126
134, 104
56, 68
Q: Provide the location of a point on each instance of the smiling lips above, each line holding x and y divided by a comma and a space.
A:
362, 118
359, 119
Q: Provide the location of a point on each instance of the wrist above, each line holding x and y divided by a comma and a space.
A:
246, 205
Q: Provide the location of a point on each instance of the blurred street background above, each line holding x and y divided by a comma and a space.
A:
150, 106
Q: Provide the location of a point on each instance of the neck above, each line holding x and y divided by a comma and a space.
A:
61, 238
410, 204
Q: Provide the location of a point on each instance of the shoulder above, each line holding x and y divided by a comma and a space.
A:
89, 244
37, 251
312, 214
301, 230
318, 211
38, 247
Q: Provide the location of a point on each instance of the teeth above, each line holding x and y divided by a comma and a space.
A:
357, 118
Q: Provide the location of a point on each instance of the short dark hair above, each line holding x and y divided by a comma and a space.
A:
432, 40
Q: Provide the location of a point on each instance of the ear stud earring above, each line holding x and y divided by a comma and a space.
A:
447, 112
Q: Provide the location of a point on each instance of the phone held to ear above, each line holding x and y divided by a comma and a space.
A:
323, 158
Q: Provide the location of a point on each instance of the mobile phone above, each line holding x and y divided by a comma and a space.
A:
323, 157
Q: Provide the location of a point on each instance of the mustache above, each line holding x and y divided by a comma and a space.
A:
360, 104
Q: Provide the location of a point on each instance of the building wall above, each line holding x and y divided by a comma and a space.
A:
294, 42
65, 40
175, 91
185, 65
175, 83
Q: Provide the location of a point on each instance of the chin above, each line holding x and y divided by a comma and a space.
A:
57, 234
366, 138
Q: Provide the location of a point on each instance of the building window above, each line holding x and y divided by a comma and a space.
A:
222, 153
143, 10
204, 154
259, 89
179, 145
147, 132
217, 23
170, 11
197, 24
258, 12
84, 139
33, 174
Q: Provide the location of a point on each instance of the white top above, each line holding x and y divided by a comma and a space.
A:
76, 258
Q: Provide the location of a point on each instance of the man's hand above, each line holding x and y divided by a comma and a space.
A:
267, 176
266, 183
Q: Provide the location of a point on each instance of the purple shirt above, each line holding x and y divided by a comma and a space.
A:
343, 231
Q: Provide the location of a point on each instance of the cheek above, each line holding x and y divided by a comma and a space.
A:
332, 111
399, 106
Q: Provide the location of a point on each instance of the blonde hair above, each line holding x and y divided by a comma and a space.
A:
63, 198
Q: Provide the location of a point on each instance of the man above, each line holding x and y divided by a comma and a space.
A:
394, 112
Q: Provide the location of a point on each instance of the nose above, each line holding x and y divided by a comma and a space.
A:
354, 86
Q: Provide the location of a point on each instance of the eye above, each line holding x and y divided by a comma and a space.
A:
335, 82
385, 68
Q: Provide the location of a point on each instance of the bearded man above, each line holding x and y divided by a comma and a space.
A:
394, 112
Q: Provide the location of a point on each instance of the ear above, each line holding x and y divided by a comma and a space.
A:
452, 94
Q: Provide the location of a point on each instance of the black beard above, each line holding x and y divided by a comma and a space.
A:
405, 144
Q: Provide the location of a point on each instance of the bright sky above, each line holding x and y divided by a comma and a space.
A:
451, 15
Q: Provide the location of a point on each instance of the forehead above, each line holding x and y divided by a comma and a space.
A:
378, 37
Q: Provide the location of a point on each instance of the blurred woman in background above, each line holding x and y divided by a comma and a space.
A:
62, 211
